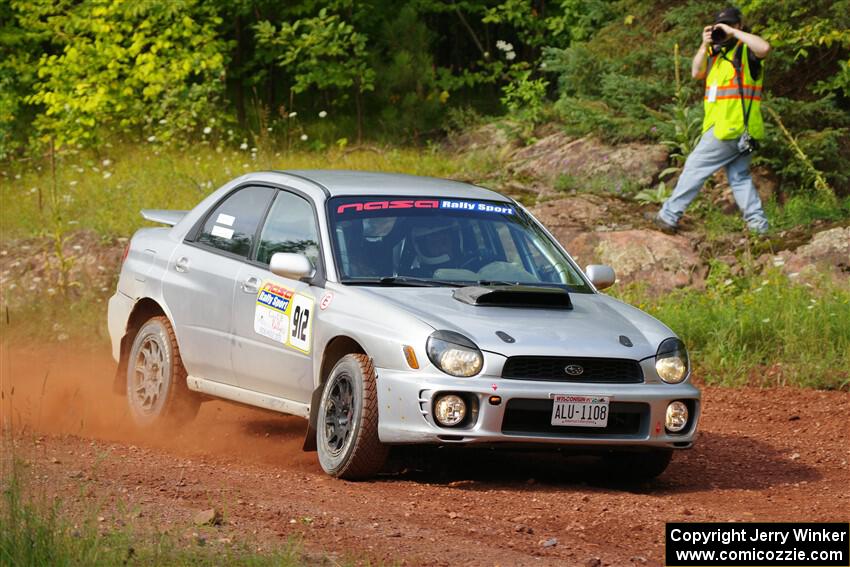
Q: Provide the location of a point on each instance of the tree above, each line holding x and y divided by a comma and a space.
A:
324, 52
144, 67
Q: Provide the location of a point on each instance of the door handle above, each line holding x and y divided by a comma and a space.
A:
251, 285
182, 265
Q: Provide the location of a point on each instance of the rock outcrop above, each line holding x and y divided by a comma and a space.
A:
590, 162
827, 252
660, 261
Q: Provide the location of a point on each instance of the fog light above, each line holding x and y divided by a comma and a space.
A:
677, 417
449, 410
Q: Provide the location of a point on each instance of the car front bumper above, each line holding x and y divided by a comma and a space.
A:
406, 411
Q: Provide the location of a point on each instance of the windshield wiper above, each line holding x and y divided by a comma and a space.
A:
495, 282
398, 281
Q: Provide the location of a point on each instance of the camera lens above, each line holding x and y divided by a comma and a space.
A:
718, 36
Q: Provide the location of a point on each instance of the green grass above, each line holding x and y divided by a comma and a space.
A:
107, 198
797, 211
766, 330
804, 209
37, 531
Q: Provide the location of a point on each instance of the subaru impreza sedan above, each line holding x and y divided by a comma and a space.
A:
393, 310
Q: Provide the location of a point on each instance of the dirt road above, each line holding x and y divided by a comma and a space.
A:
762, 455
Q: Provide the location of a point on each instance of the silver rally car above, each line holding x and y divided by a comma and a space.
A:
393, 309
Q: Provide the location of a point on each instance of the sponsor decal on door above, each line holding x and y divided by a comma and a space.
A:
284, 316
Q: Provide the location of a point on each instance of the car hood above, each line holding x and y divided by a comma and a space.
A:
591, 328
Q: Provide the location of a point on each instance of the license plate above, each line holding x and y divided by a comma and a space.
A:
580, 411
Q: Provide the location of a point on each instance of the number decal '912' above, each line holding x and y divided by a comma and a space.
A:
284, 316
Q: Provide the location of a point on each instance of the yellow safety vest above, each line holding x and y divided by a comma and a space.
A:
722, 101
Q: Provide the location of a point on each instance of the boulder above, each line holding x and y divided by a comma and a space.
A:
827, 252
660, 261
591, 163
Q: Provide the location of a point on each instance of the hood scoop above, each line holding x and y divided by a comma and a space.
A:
515, 296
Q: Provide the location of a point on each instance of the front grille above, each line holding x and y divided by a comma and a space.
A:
524, 417
553, 369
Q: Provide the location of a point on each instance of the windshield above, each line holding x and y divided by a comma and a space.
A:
441, 241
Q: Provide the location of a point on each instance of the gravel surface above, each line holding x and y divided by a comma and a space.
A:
762, 455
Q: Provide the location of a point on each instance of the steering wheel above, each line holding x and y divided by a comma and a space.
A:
478, 258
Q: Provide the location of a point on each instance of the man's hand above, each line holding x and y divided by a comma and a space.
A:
729, 30
706, 35
698, 64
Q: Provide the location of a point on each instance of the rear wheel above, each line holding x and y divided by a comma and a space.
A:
638, 466
347, 427
156, 379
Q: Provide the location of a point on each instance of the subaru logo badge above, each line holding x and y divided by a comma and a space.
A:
574, 370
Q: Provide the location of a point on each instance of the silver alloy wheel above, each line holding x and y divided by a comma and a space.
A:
156, 386
149, 373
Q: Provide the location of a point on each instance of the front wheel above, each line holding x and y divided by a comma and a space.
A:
347, 429
156, 379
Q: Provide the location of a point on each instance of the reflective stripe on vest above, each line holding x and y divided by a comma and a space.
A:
723, 106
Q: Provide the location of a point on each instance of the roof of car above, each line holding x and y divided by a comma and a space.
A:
340, 182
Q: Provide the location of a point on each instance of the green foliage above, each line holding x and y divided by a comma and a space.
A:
803, 209
759, 329
822, 131
409, 95
324, 52
657, 195
813, 35
148, 68
18, 47
524, 97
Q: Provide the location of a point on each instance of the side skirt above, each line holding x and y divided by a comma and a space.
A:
247, 397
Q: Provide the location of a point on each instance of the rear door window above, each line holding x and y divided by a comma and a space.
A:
233, 224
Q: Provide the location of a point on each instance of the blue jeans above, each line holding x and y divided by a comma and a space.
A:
710, 155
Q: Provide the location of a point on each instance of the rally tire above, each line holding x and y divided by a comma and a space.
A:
347, 424
638, 466
157, 392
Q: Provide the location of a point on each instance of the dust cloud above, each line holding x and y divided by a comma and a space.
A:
59, 390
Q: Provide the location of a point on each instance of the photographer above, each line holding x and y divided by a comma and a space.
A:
730, 61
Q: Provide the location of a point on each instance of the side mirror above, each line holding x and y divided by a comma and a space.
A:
292, 266
600, 275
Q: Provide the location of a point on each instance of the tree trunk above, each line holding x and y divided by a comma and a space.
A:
239, 95
357, 102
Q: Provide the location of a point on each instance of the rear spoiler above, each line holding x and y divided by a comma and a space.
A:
164, 216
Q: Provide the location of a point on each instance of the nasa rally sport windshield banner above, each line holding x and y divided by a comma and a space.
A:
391, 203
762, 544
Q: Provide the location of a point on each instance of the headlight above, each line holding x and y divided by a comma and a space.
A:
671, 361
454, 354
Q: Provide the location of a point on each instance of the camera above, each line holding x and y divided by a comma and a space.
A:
747, 144
718, 37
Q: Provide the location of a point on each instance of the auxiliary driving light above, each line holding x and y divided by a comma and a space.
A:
677, 417
449, 410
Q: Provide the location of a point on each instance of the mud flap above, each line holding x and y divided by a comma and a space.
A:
310, 438
119, 382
